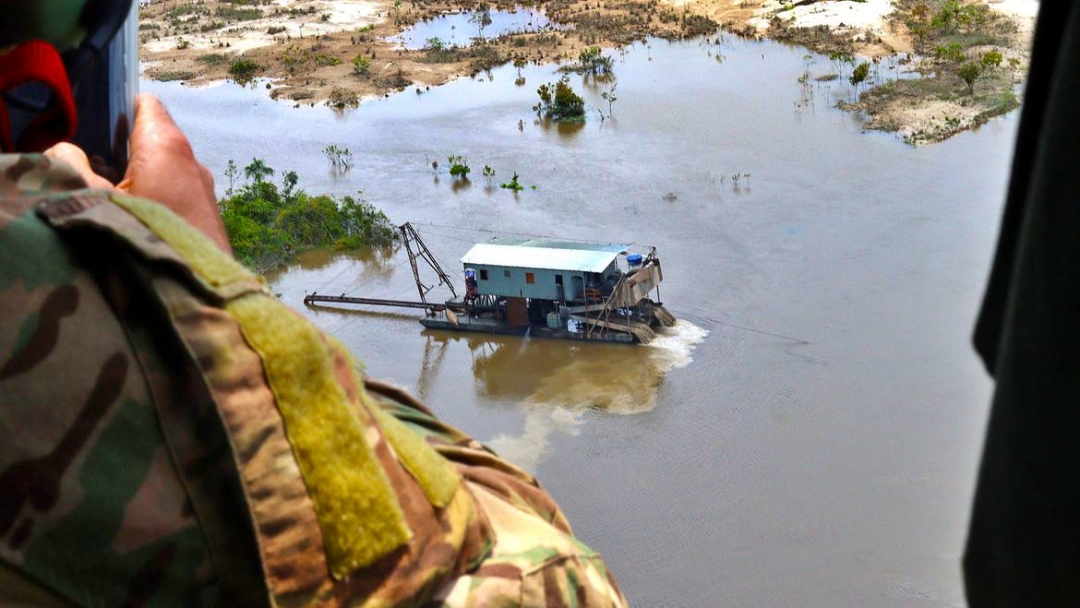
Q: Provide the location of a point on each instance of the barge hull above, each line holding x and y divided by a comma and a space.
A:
537, 331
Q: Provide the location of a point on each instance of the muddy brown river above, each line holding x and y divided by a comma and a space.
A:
808, 435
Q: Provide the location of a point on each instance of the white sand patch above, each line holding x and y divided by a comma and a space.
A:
869, 15
1017, 8
340, 15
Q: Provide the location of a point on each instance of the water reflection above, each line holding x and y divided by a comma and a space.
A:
375, 260
555, 382
460, 29
564, 129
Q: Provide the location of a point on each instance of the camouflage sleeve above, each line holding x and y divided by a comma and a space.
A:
535, 559
93, 508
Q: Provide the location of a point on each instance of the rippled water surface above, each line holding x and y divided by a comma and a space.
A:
808, 435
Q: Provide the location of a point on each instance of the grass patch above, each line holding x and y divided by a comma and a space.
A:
233, 13
212, 58
172, 76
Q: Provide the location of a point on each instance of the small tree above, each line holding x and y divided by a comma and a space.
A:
919, 24
970, 72
610, 98
243, 70
859, 74
480, 17
950, 52
839, 60
289, 179
231, 171
592, 61
361, 65
437, 51
946, 17
257, 171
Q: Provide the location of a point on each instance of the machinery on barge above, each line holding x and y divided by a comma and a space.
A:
539, 287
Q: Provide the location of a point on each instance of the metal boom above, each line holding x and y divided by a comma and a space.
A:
409, 237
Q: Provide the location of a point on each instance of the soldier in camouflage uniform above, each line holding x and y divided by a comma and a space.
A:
171, 434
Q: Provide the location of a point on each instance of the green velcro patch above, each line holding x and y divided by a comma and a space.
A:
356, 507
214, 266
436, 476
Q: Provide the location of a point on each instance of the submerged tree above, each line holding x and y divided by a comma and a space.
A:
609, 97
340, 158
459, 167
560, 102
859, 74
481, 17
592, 61
513, 184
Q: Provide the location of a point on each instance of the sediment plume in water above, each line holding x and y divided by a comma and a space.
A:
619, 379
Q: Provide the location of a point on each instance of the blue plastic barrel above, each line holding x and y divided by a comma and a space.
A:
634, 259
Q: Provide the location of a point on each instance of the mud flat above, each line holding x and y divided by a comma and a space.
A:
961, 62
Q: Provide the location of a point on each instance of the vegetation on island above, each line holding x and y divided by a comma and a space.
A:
269, 224
559, 102
970, 60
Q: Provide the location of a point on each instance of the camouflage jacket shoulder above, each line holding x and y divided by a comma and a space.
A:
204, 444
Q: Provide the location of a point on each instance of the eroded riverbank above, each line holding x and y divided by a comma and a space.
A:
345, 51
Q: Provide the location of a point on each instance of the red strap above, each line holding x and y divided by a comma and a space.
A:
38, 61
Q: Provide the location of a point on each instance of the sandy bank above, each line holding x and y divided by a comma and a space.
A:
319, 50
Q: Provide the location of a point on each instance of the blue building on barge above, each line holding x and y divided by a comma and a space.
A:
558, 289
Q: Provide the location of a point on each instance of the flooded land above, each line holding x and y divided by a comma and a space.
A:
926, 69
809, 433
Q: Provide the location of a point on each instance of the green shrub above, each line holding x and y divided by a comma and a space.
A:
459, 167
560, 102
342, 98
991, 59
361, 65
950, 52
243, 70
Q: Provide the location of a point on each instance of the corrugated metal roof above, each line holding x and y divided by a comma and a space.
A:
553, 244
533, 256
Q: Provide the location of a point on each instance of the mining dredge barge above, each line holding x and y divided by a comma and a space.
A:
539, 287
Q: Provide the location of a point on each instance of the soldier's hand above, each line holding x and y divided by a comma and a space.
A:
74, 156
163, 168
